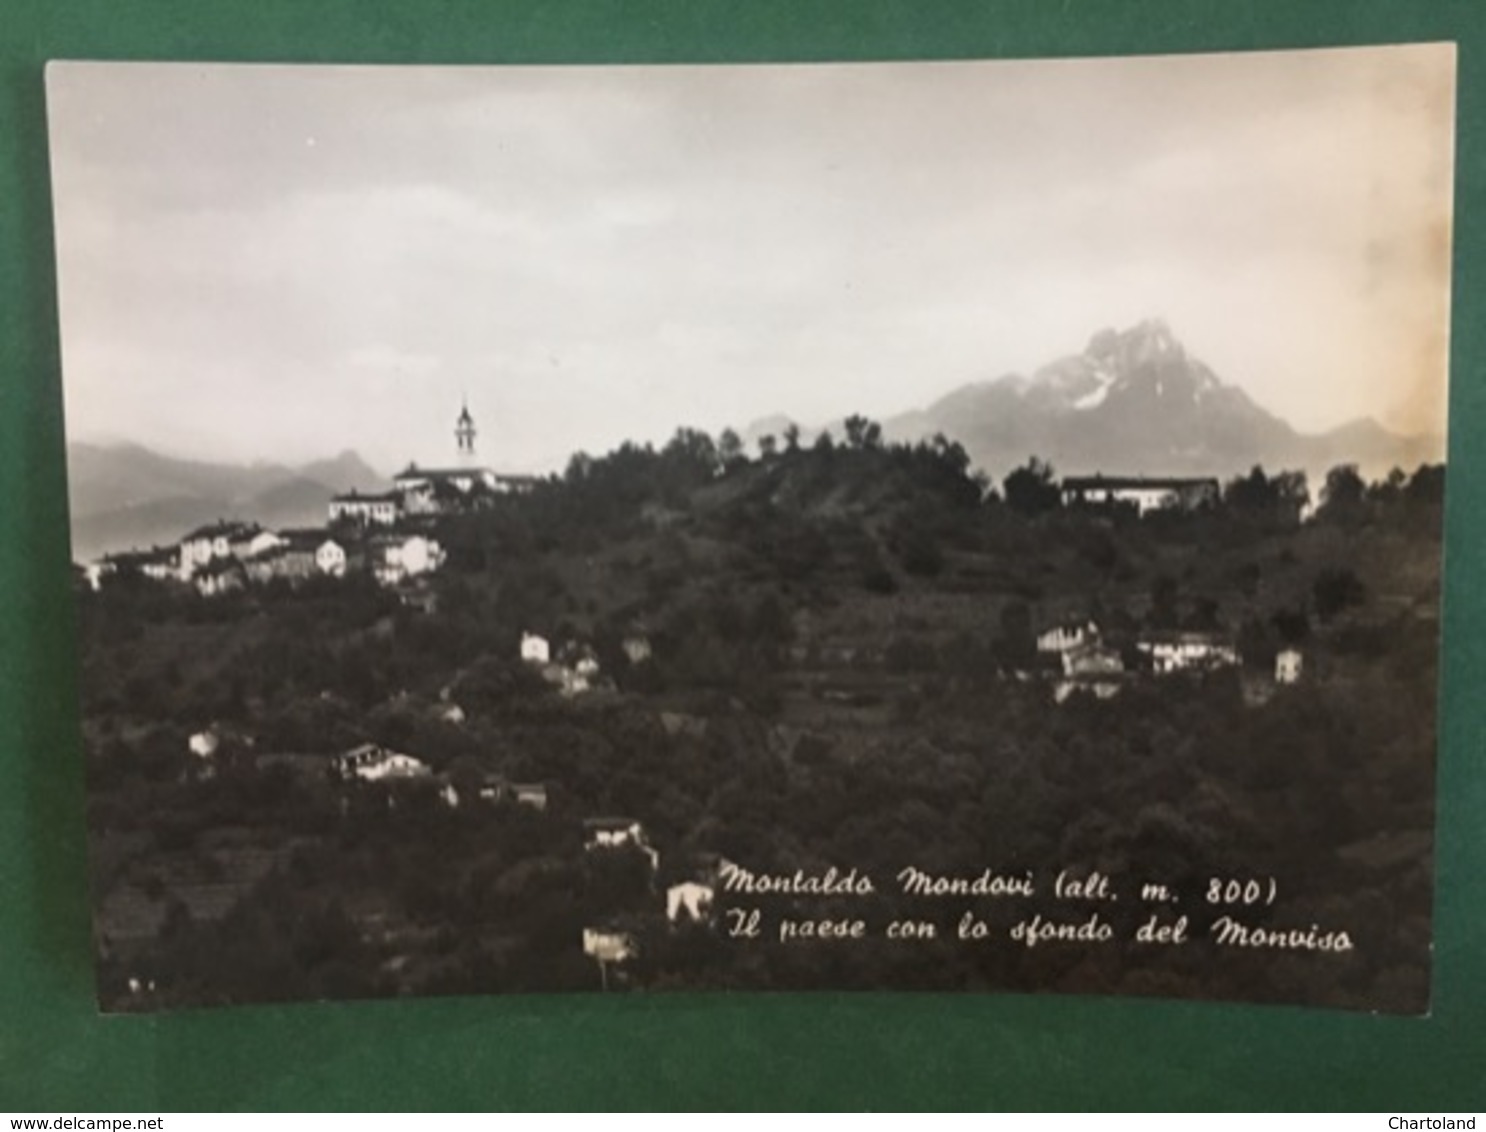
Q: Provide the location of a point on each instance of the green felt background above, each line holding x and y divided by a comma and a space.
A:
875, 1051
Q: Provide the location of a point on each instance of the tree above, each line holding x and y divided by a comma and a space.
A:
1343, 493
768, 447
1427, 485
694, 447
1335, 589
730, 450
1032, 488
1165, 603
1017, 644
1292, 492
1285, 495
1389, 490
792, 437
1292, 625
951, 453
1253, 492
863, 433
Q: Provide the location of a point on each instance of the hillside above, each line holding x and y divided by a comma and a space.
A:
843, 671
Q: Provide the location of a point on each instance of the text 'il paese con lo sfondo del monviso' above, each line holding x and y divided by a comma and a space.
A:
1079, 906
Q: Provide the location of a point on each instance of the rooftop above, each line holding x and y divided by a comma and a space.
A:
221, 528
414, 472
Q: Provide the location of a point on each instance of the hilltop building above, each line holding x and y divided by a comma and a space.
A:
382, 508
396, 557
219, 576
431, 491
1068, 636
609, 944
372, 763
1171, 651
418, 491
691, 900
1287, 666
366, 532
601, 834
1092, 659
160, 564
1144, 493
637, 648
289, 560
535, 649
222, 539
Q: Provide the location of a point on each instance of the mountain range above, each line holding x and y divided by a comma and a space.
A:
1134, 402
125, 495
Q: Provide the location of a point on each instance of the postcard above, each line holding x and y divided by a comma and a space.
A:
945, 526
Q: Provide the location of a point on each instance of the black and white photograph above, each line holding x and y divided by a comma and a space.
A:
916, 527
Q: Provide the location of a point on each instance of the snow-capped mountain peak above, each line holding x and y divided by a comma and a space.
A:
1135, 401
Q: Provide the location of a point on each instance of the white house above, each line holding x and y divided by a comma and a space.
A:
204, 744
218, 576
288, 560
372, 763
530, 794
394, 766
211, 542
430, 491
581, 659
569, 681
601, 834
330, 558
251, 539
535, 649
1092, 659
380, 509
209, 742
1070, 635
691, 899
573, 674
421, 485
1144, 493
609, 945
612, 833
262, 541
159, 564
397, 557
1187, 651
1102, 687
637, 648
1287, 666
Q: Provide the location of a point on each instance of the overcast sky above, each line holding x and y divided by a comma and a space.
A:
280, 263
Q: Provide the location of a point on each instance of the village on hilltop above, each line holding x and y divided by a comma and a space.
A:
384, 534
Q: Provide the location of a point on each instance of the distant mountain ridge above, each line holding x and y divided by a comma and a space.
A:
125, 495
1132, 402
1135, 402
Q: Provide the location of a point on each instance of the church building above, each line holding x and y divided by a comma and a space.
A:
428, 491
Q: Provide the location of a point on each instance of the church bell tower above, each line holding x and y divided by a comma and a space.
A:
464, 434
